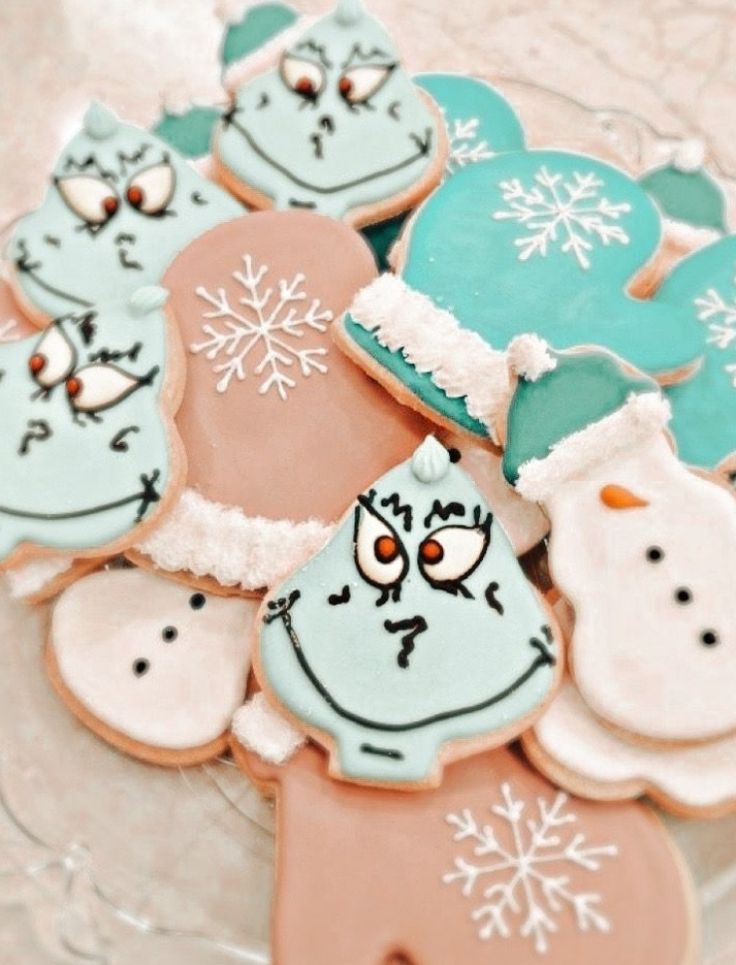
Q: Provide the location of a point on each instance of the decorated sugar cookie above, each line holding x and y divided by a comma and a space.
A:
88, 451
153, 667
642, 547
280, 428
120, 205
496, 864
574, 748
413, 637
337, 127
546, 241
704, 407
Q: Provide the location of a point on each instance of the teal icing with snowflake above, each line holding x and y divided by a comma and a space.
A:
121, 204
704, 407
337, 126
84, 449
413, 628
545, 242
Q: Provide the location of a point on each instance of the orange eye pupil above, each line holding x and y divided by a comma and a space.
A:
135, 195
346, 86
110, 204
73, 387
386, 549
431, 551
36, 363
304, 86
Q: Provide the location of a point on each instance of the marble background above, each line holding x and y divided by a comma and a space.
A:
85, 874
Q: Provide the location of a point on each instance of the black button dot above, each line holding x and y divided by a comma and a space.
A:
655, 554
140, 667
455, 454
197, 601
709, 638
683, 595
169, 634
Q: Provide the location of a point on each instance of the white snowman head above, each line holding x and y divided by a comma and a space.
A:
643, 548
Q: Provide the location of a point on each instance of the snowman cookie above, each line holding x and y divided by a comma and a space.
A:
337, 127
642, 547
496, 864
281, 430
413, 637
89, 454
120, 205
547, 241
151, 666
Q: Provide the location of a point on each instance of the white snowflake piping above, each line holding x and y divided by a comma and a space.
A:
262, 323
465, 146
260, 729
570, 214
208, 539
521, 877
641, 416
8, 331
720, 315
529, 356
459, 361
31, 578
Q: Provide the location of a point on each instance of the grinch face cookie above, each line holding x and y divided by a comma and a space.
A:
643, 548
571, 745
280, 428
704, 407
496, 864
154, 667
558, 239
121, 204
414, 628
337, 127
88, 450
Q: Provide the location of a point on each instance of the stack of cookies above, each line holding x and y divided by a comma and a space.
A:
361, 448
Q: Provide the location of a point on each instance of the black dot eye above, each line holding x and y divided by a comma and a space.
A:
140, 667
169, 634
683, 595
197, 601
709, 638
655, 554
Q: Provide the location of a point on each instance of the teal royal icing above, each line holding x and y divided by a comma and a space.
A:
259, 24
413, 627
337, 125
190, 132
704, 407
84, 452
121, 204
689, 196
545, 242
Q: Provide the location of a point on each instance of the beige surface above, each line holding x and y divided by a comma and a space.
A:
88, 875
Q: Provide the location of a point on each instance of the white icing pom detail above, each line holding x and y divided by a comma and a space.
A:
431, 461
259, 728
529, 356
688, 156
100, 122
147, 299
349, 12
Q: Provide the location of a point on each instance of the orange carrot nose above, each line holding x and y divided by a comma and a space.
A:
36, 363
73, 387
619, 497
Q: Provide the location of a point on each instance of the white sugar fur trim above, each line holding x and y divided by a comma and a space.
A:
687, 236
208, 539
530, 357
689, 155
641, 416
30, 578
263, 58
431, 339
259, 728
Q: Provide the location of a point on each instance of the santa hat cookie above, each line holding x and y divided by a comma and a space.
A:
150, 665
643, 548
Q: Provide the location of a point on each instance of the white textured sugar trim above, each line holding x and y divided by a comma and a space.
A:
208, 539
431, 339
264, 58
529, 356
688, 155
260, 729
30, 578
687, 236
640, 417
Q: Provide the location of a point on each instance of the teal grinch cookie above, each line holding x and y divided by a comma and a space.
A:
121, 204
703, 287
543, 241
337, 127
412, 630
